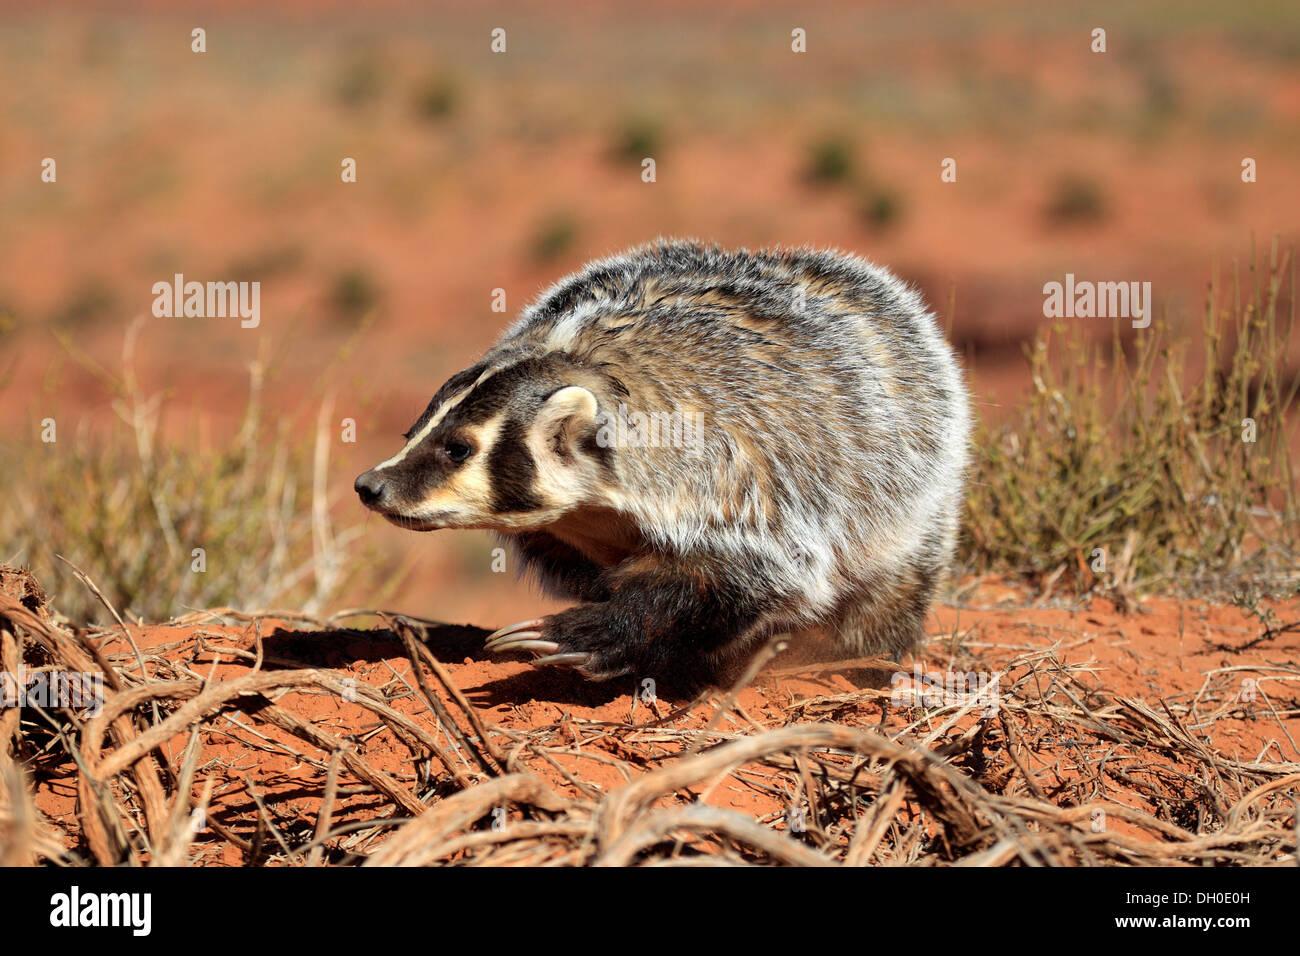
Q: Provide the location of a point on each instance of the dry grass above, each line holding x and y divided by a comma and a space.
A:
950, 785
131, 506
1127, 451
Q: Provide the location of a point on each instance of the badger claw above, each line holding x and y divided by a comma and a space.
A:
574, 659
527, 636
537, 647
519, 637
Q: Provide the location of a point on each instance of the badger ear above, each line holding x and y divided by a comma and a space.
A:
565, 416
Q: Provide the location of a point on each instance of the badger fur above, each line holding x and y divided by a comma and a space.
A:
807, 470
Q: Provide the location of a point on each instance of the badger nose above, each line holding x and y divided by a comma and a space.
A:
370, 487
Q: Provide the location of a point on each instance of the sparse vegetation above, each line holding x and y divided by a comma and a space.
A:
554, 236
359, 81
830, 160
1160, 96
1131, 451
1076, 199
265, 263
639, 138
353, 293
436, 97
881, 208
129, 508
406, 771
90, 299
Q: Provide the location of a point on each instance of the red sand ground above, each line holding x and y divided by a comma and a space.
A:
1164, 652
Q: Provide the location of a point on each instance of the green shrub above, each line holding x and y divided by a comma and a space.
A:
1076, 199
881, 208
638, 139
436, 97
830, 160
554, 236
353, 293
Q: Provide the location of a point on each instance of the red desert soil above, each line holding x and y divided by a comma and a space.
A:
1186, 661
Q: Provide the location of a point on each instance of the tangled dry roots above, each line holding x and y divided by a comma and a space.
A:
953, 786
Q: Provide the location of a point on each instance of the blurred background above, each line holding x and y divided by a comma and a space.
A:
480, 171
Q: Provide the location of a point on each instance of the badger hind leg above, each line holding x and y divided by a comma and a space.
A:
886, 616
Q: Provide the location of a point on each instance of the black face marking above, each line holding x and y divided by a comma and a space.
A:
512, 393
457, 383
517, 387
426, 467
512, 471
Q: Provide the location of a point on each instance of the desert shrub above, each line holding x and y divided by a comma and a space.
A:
353, 292
264, 263
435, 97
1075, 199
830, 160
553, 236
129, 508
91, 299
359, 80
881, 208
1143, 455
635, 140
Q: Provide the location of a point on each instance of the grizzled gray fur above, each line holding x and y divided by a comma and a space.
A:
703, 447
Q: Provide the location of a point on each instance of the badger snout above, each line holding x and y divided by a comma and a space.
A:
372, 488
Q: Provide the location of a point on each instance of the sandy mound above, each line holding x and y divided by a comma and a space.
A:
1165, 735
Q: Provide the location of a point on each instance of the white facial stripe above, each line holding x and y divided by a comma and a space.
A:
432, 423
429, 426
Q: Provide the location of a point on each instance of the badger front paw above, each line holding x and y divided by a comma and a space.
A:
582, 638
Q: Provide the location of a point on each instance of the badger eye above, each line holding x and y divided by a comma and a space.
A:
457, 451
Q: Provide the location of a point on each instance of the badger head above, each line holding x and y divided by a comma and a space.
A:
510, 447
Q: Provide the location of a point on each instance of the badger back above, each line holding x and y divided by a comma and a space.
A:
792, 393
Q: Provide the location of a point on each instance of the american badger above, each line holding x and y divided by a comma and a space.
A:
704, 448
